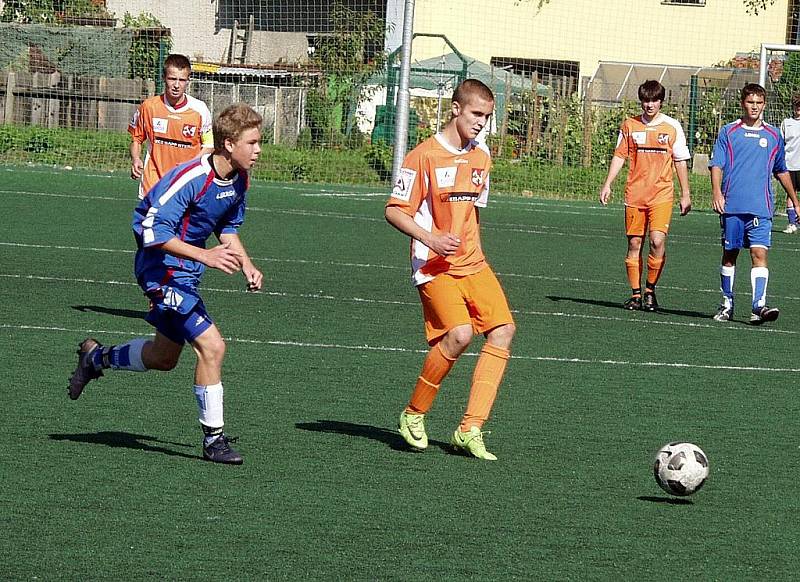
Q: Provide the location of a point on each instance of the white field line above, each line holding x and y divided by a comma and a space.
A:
324, 297
369, 348
615, 283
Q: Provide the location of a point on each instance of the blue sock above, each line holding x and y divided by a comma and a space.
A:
726, 276
759, 276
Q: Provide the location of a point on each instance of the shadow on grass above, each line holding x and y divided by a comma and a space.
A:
618, 305
391, 438
125, 440
667, 500
130, 313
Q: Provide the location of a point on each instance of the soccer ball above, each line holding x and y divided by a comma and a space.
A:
680, 468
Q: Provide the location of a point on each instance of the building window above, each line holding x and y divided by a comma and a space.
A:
684, 2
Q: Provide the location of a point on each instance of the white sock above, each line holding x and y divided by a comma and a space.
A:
759, 277
127, 356
209, 402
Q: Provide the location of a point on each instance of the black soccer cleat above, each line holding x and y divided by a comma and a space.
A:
220, 451
764, 314
650, 303
634, 303
85, 372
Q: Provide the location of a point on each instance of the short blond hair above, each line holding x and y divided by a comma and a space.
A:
232, 122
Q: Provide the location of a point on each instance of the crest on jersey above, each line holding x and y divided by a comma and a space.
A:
160, 125
477, 176
189, 130
663, 138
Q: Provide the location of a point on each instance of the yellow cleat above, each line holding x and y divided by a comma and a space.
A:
471, 443
412, 429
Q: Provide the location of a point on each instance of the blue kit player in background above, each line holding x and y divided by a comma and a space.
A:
747, 153
171, 225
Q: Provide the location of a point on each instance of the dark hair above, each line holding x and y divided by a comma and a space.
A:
753, 89
232, 122
469, 88
652, 91
177, 61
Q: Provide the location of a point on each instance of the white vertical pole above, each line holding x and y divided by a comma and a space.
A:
403, 95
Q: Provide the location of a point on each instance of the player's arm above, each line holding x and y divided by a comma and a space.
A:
251, 273
222, 257
682, 169
613, 170
717, 199
444, 244
786, 181
137, 165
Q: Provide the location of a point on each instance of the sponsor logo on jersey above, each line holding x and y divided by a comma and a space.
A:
189, 130
461, 197
751, 134
404, 184
446, 177
477, 176
639, 137
460, 161
663, 138
226, 194
172, 142
160, 125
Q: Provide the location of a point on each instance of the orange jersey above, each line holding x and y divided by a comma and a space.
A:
652, 149
174, 135
440, 187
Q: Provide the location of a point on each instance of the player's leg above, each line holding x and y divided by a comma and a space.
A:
759, 231
449, 332
635, 228
732, 235
791, 211
659, 218
491, 316
209, 347
136, 355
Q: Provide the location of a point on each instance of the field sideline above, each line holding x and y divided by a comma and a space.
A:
319, 366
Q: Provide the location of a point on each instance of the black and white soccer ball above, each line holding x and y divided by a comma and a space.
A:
680, 468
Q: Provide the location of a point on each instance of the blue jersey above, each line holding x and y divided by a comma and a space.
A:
748, 157
191, 203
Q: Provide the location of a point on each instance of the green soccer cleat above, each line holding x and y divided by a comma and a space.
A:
412, 429
471, 443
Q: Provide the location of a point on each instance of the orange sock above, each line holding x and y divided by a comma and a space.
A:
485, 381
654, 268
437, 365
634, 269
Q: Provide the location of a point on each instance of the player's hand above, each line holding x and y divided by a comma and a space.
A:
605, 195
137, 167
718, 202
253, 276
686, 205
222, 257
446, 244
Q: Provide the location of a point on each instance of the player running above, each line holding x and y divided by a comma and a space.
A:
171, 225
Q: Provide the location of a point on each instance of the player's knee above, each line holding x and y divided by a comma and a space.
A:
458, 339
502, 335
212, 350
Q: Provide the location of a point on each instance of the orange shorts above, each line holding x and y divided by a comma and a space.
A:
476, 300
639, 221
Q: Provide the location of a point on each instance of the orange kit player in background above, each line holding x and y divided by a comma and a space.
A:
176, 126
653, 142
435, 201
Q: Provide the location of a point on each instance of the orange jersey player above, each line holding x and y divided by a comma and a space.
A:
442, 185
655, 144
176, 126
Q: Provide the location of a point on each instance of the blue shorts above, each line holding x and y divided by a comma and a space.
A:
743, 231
178, 313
